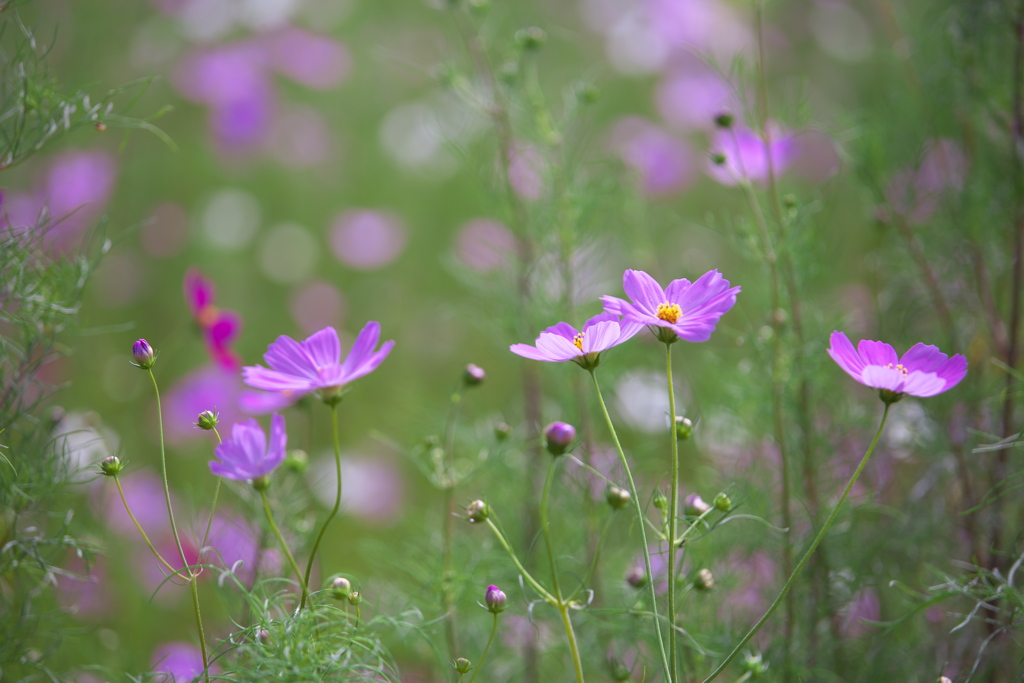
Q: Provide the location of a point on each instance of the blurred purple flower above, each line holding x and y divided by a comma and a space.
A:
659, 566
661, 160
863, 607
916, 194
315, 364
374, 489
211, 387
690, 310
526, 171
317, 305
562, 342
234, 539
753, 582
247, 455
367, 239
690, 98
180, 662
145, 495
922, 371
84, 591
314, 61
220, 327
746, 155
485, 245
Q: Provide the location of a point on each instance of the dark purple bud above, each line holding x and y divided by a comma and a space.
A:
143, 352
636, 577
473, 375
495, 599
559, 436
695, 506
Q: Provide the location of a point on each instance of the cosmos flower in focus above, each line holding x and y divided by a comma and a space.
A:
922, 371
562, 342
683, 310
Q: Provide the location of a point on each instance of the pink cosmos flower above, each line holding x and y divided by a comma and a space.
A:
747, 155
562, 342
922, 371
689, 310
247, 455
220, 327
315, 364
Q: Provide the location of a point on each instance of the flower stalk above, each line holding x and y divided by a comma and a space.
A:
337, 502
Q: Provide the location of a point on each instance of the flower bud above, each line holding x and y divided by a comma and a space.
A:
477, 511
531, 38
207, 420
617, 670
617, 498
101, 127
144, 355
463, 665
502, 431
263, 635
587, 93
755, 665
724, 119
508, 73
944, 679
695, 506
723, 502
111, 466
718, 159
495, 599
660, 501
473, 375
790, 201
636, 576
355, 598
341, 588
559, 436
297, 461
261, 483
705, 581
684, 428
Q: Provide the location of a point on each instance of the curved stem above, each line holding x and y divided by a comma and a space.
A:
337, 502
145, 538
641, 522
807, 556
174, 526
213, 506
519, 565
284, 546
487, 648
673, 519
597, 556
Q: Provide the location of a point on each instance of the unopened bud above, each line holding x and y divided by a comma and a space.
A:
531, 38
100, 126
617, 669
207, 420
473, 375
341, 588
508, 73
502, 431
660, 501
723, 502
463, 665
477, 511
717, 158
559, 437
495, 599
263, 635
355, 598
636, 576
143, 353
587, 93
617, 498
755, 665
684, 428
724, 119
111, 465
790, 201
944, 679
261, 483
705, 581
695, 506
297, 460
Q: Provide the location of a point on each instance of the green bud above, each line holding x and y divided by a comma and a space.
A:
111, 466
297, 460
207, 420
531, 38
755, 666
355, 598
587, 93
261, 483
723, 502
724, 119
508, 73
684, 428
477, 511
717, 158
790, 201
502, 431
660, 501
617, 498
341, 588
463, 665
705, 581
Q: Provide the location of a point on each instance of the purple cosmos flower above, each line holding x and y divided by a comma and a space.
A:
922, 371
495, 599
247, 455
746, 157
689, 310
315, 364
562, 342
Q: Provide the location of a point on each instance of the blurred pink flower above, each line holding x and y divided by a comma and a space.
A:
485, 245
689, 98
232, 540
317, 305
211, 387
915, 194
526, 171
179, 662
314, 61
220, 327
747, 157
863, 607
145, 495
367, 239
374, 488
661, 160
84, 591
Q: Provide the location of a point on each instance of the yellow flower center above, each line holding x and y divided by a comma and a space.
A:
670, 313
578, 341
899, 366
207, 316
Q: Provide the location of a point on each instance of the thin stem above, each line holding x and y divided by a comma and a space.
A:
546, 532
519, 565
810, 551
448, 481
641, 522
487, 648
213, 506
673, 519
174, 526
577, 664
145, 538
284, 546
596, 557
337, 501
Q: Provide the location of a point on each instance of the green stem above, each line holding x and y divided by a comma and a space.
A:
145, 538
577, 663
673, 519
337, 501
174, 526
213, 507
550, 599
487, 648
641, 522
807, 556
284, 547
597, 556
546, 532
448, 481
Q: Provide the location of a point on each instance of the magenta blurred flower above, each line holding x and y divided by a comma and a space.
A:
367, 239
210, 387
526, 171
485, 245
690, 98
562, 342
922, 371
853, 619
180, 662
915, 194
247, 455
233, 540
661, 160
315, 364
312, 60
690, 310
747, 156
374, 488
220, 327
145, 495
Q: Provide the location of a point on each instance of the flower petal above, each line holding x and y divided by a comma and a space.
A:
288, 357
199, 292
600, 336
557, 347
323, 347
643, 290
923, 357
923, 384
564, 330
877, 353
527, 351
952, 371
362, 347
271, 380
883, 377
843, 353
278, 444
